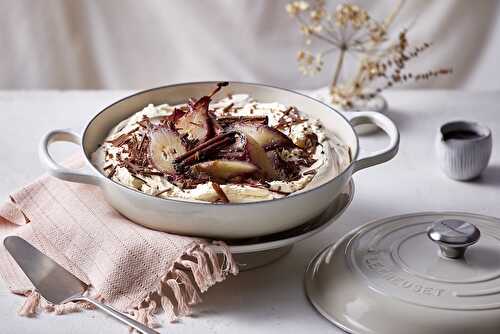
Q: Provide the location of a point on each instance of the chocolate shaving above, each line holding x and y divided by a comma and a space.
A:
288, 110
137, 177
190, 183
220, 192
129, 165
294, 118
279, 192
136, 169
152, 172
142, 146
310, 172
219, 87
189, 143
267, 186
228, 120
158, 193
198, 155
227, 109
113, 171
284, 124
145, 123
138, 151
220, 140
123, 138
134, 142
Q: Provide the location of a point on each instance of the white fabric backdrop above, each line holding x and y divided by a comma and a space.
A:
73, 44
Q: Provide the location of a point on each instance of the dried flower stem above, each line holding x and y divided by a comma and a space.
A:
338, 67
388, 21
349, 28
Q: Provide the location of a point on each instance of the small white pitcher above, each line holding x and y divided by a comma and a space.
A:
463, 149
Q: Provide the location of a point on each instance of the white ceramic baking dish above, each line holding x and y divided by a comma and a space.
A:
226, 221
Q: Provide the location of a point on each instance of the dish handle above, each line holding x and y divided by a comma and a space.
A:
383, 122
54, 168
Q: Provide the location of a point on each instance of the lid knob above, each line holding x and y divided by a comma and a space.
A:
453, 236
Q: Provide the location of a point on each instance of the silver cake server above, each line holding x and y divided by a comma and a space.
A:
56, 284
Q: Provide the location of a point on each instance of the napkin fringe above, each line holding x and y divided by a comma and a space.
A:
179, 289
34, 302
31, 303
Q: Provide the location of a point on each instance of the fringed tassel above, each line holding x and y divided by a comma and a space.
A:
178, 291
145, 315
150, 315
214, 260
191, 293
138, 315
203, 266
166, 300
72, 307
168, 308
89, 306
180, 297
230, 265
199, 279
66, 308
30, 306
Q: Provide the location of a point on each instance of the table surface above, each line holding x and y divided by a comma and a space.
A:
270, 298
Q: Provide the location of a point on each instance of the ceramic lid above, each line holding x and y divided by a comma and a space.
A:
419, 273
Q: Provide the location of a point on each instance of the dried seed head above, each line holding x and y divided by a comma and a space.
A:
351, 29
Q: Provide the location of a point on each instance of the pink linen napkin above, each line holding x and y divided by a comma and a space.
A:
130, 267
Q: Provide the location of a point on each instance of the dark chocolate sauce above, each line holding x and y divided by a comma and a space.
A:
461, 135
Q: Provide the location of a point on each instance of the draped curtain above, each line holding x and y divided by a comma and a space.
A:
133, 44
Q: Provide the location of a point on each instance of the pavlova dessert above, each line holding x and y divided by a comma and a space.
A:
234, 150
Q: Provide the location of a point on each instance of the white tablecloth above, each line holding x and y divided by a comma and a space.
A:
270, 298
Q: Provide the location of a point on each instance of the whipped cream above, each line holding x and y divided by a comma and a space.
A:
330, 153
